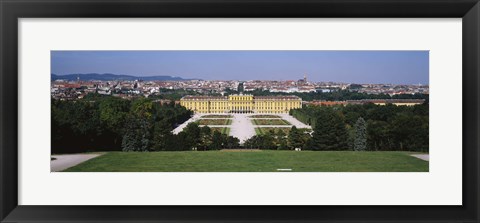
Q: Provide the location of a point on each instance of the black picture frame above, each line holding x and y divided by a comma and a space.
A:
12, 10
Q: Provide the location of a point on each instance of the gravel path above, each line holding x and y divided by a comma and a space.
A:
183, 125
63, 162
215, 118
294, 121
265, 118
425, 157
242, 127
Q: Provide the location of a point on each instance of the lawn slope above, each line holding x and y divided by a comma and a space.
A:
253, 161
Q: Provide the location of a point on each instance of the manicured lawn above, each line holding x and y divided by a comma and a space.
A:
223, 130
217, 116
214, 121
253, 161
270, 122
265, 116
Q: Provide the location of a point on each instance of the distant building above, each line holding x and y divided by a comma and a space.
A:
398, 102
323, 90
240, 103
325, 103
302, 81
164, 101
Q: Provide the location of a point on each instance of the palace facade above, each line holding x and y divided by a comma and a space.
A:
240, 103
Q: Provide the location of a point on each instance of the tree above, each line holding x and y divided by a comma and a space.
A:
308, 144
250, 142
281, 140
100, 123
113, 112
351, 118
390, 127
295, 138
351, 137
192, 132
232, 142
341, 135
181, 143
267, 141
138, 135
329, 132
410, 132
218, 140
163, 138
205, 138
379, 136
360, 143
139, 127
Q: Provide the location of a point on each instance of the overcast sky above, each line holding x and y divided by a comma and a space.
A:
396, 67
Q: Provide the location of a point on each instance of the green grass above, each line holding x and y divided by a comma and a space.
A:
264, 130
253, 161
217, 116
270, 122
223, 130
214, 121
265, 116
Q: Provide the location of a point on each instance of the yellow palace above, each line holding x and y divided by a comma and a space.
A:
241, 104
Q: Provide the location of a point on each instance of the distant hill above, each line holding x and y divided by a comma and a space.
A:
111, 77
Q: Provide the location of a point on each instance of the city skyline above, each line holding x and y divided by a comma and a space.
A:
393, 67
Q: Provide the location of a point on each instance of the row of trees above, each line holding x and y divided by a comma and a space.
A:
331, 136
203, 138
278, 140
367, 127
105, 123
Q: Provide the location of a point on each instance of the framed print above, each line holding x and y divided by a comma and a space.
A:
239, 111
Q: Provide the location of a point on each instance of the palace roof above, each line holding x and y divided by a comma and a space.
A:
200, 97
387, 101
279, 97
282, 97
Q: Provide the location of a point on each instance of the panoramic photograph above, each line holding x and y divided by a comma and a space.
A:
239, 111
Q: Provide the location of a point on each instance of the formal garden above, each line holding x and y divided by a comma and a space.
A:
265, 116
223, 130
270, 122
277, 131
214, 122
217, 116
